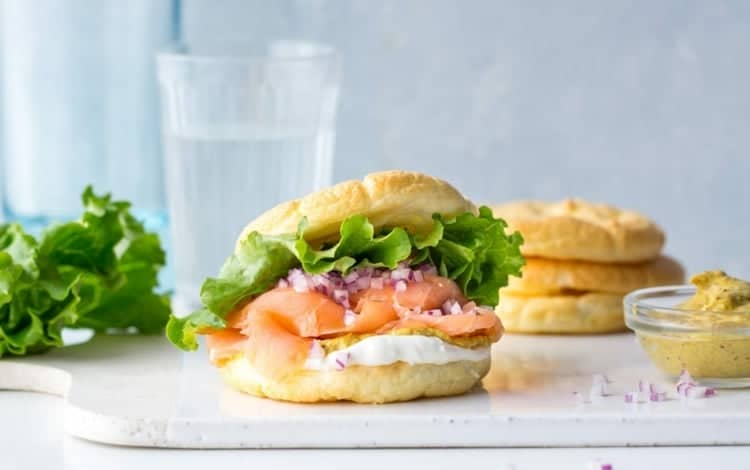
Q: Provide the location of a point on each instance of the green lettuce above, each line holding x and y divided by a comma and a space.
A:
473, 250
99, 272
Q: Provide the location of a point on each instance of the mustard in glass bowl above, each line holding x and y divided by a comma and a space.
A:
704, 328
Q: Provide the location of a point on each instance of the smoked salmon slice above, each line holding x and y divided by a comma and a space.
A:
309, 314
276, 330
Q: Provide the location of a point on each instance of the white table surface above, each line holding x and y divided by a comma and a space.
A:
140, 391
31, 437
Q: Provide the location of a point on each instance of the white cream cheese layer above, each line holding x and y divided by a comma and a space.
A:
382, 350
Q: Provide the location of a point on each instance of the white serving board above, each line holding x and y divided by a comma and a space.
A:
139, 391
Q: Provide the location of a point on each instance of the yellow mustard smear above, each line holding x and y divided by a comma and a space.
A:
717, 292
719, 301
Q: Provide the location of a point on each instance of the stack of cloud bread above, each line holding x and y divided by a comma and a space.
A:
581, 259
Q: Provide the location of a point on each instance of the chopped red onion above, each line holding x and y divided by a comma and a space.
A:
322, 284
363, 283
332, 283
651, 390
295, 273
698, 391
342, 360
340, 288
300, 286
451, 307
282, 284
400, 274
351, 277
327, 281
682, 387
298, 280
598, 465
647, 391
341, 297
688, 388
685, 377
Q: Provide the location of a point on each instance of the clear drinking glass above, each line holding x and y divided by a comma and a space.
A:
244, 129
81, 104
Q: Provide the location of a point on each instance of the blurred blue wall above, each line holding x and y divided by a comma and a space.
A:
637, 103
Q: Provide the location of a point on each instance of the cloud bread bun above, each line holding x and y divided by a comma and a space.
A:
374, 384
576, 229
575, 313
388, 198
548, 276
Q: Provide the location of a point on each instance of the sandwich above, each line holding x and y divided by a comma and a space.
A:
370, 291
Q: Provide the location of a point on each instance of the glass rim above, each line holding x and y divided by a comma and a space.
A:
177, 52
643, 316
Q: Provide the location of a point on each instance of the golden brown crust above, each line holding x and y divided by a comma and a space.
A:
579, 314
576, 229
389, 198
380, 384
543, 276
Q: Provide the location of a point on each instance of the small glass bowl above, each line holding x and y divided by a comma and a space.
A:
714, 347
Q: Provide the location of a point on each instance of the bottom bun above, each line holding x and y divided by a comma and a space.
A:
362, 384
580, 313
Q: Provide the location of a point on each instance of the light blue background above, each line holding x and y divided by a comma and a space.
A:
637, 103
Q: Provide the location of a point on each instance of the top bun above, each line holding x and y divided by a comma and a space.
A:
580, 230
387, 199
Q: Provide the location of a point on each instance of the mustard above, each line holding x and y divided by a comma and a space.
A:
720, 302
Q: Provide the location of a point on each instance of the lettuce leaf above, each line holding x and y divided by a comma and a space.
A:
98, 272
33, 304
358, 246
254, 268
473, 250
